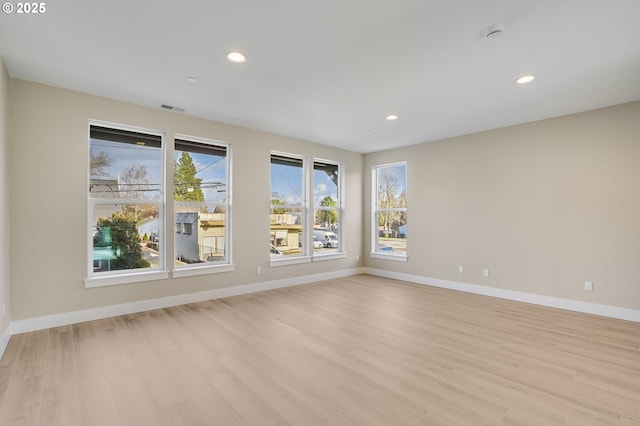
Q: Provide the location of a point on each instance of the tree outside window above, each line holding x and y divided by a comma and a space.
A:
390, 209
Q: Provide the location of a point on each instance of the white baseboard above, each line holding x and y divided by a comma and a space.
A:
5, 340
536, 299
66, 318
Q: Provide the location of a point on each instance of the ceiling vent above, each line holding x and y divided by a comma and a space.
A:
172, 108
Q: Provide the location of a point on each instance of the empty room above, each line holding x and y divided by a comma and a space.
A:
320, 213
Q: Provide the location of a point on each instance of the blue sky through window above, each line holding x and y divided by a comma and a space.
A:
323, 186
123, 156
212, 169
286, 182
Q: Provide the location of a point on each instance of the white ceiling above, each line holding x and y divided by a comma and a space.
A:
330, 71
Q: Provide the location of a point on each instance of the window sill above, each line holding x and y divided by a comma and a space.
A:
202, 270
126, 278
394, 257
329, 256
289, 261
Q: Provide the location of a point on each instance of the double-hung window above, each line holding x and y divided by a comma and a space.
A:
201, 196
327, 208
389, 212
305, 227
126, 204
287, 216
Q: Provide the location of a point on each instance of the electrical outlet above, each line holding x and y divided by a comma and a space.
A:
461, 269
258, 270
588, 286
485, 272
357, 257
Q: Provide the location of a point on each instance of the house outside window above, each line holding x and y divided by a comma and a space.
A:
389, 211
202, 202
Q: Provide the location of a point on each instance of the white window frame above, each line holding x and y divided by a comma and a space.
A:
222, 266
341, 252
375, 253
303, 257
128, 275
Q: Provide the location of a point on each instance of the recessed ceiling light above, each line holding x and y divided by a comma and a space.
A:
391, 117
525, 79
236, 57
191, 79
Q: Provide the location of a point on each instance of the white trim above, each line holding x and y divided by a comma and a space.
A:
375, 209
329, 256
342, 248
66, 318
203, 270
303, 205
536, 299
283, 261
125, 127
385, 256
126, 278
5, 340
228, 233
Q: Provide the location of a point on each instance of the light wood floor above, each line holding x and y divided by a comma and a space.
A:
354, 351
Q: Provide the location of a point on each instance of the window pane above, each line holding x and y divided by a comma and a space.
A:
200, 172
392, 232
392, 186
125, 236
325, 182
286, 181
124, 165
200, 234
325, 241
286, 232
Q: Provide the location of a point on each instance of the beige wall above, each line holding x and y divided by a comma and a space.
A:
545, 206
49, 149
4, 201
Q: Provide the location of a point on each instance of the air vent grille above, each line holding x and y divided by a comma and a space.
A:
172, 108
